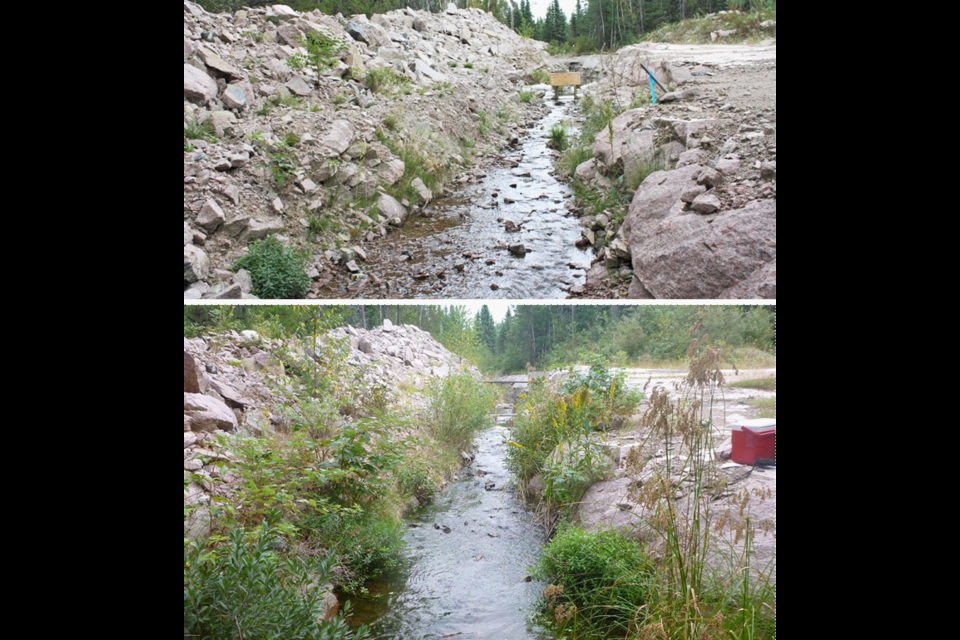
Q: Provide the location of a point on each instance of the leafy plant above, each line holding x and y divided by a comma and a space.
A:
452, 64
468, 66
291, 139
278, 272
526, 96
322, 51
247, 589
600, 579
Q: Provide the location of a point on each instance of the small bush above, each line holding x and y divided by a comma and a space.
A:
603, 575
278, 273
452, 65
245, 589
367, 546
322, 49
460, 407
526, 96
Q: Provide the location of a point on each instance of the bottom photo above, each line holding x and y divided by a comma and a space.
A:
480, 470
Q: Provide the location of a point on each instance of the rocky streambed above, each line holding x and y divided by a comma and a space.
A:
511, 234
468, 562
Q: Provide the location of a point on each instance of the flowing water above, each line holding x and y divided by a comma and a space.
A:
421, 259
473, 581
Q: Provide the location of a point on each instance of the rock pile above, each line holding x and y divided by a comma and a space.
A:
228, 383
706, 226
275, 150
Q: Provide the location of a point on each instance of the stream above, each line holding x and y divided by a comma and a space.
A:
462, 249
473, 581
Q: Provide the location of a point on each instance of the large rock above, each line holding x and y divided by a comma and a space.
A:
391, 208
234, 97
696, 258
299, 86
208, 414
211, 216
196, 265
198, 86
189, 49
392, 171
193, 378
338, 138
216, 64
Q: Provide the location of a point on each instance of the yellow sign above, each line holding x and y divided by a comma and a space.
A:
565, 79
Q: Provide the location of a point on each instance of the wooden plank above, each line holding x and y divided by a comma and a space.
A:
564, 79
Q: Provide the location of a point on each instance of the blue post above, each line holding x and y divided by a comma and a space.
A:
653, 90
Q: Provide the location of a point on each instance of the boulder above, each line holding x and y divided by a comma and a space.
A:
208, 414
691, 257
707, 203
391, 208
193, 379
338, 138
189, 49
196, 265
391, 172
198, 86
216, 64
234, 97
299, 86
211, 216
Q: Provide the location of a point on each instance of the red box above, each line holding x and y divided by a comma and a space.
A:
754, 439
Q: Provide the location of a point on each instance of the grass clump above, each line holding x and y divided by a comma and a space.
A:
764, 384
468, 66
643, 168
526, 97
198, 130
278, 272
767, 408
452, 64
378, 80
559, 138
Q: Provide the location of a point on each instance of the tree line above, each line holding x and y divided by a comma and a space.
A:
541, 336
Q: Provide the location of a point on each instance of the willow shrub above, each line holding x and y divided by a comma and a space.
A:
460, 406
248, 589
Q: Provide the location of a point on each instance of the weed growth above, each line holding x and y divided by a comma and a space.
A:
278, 272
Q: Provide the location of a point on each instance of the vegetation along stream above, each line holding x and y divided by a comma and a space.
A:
508, 236
468, 561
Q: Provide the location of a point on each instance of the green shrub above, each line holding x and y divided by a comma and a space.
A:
460, 406
246, 589
278, 273
526, 96
603, 575
198, 130
366, 545
322, 49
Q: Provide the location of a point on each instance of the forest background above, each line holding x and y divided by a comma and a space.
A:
543, 336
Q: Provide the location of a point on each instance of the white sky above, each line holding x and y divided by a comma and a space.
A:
539, 7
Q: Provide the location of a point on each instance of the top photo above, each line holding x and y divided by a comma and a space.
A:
478, 150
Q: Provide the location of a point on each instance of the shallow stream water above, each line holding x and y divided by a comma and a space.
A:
473, 581
473, 221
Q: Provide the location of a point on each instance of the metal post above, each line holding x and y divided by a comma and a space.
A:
653, 90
